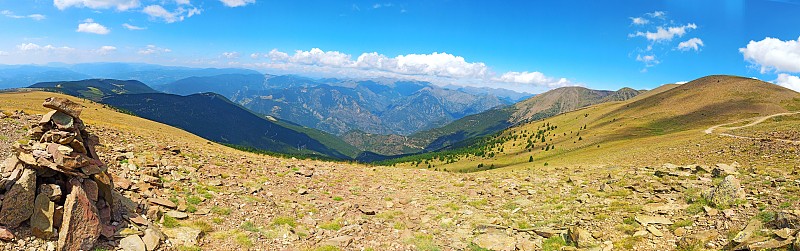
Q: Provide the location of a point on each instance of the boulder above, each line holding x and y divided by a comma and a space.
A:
496, 241
132, 243
726, 193
18, 202
81, 225
63, 121
42, 218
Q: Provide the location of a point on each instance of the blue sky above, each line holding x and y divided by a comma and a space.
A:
523, 45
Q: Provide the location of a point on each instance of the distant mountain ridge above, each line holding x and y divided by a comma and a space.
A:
381, 106
491, 121
96, 89
209, 115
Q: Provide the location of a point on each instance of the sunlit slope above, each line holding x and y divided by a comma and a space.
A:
662, 125
97, 115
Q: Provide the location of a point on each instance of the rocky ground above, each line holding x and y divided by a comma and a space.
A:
204, 198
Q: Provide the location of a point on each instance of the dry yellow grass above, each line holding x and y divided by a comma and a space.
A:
663, 125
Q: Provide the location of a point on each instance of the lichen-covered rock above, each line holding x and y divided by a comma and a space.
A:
18, 202
726, 193
64, 105
42, 218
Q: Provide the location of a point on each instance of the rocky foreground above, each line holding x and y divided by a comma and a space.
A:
201, 196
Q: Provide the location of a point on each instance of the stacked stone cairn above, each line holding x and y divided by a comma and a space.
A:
57, 183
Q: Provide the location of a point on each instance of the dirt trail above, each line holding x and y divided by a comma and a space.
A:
757, 121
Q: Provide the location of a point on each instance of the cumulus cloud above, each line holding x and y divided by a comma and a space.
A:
35, 48
691, 44
230, 55
255, 55
773, 54
665, 33
10, 14
179, 14
120, 5
89, 26
533, 78
237, 3
426, 66
106, 49
788, 81
133, 27
152, 49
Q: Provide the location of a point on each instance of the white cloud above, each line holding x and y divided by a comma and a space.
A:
121, 5
237, 3
35, 48
788, 81
648, 60
183, 2
255, 55
665, 33
378, 6
10, 14
657, 14
106, 49
774, 54
152, 49
133, 27
230, 55
91, 27
436, 67
3, 53
691, 44
158, 12
533, 78
639, 20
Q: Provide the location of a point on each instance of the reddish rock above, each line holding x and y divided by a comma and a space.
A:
162, 202
90, 187
5, 234
18, 202
81, 225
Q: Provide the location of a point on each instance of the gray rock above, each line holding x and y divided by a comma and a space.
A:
177, 215
132, 243
152, 238
496, 241
341, 241
52, 191
698, 239
42, 218
18, 202
183, 235
726, 193
580, 237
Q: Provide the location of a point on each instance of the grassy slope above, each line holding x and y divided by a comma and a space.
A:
648, 129
96, 114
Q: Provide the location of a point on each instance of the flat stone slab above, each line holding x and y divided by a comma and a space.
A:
645, 220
